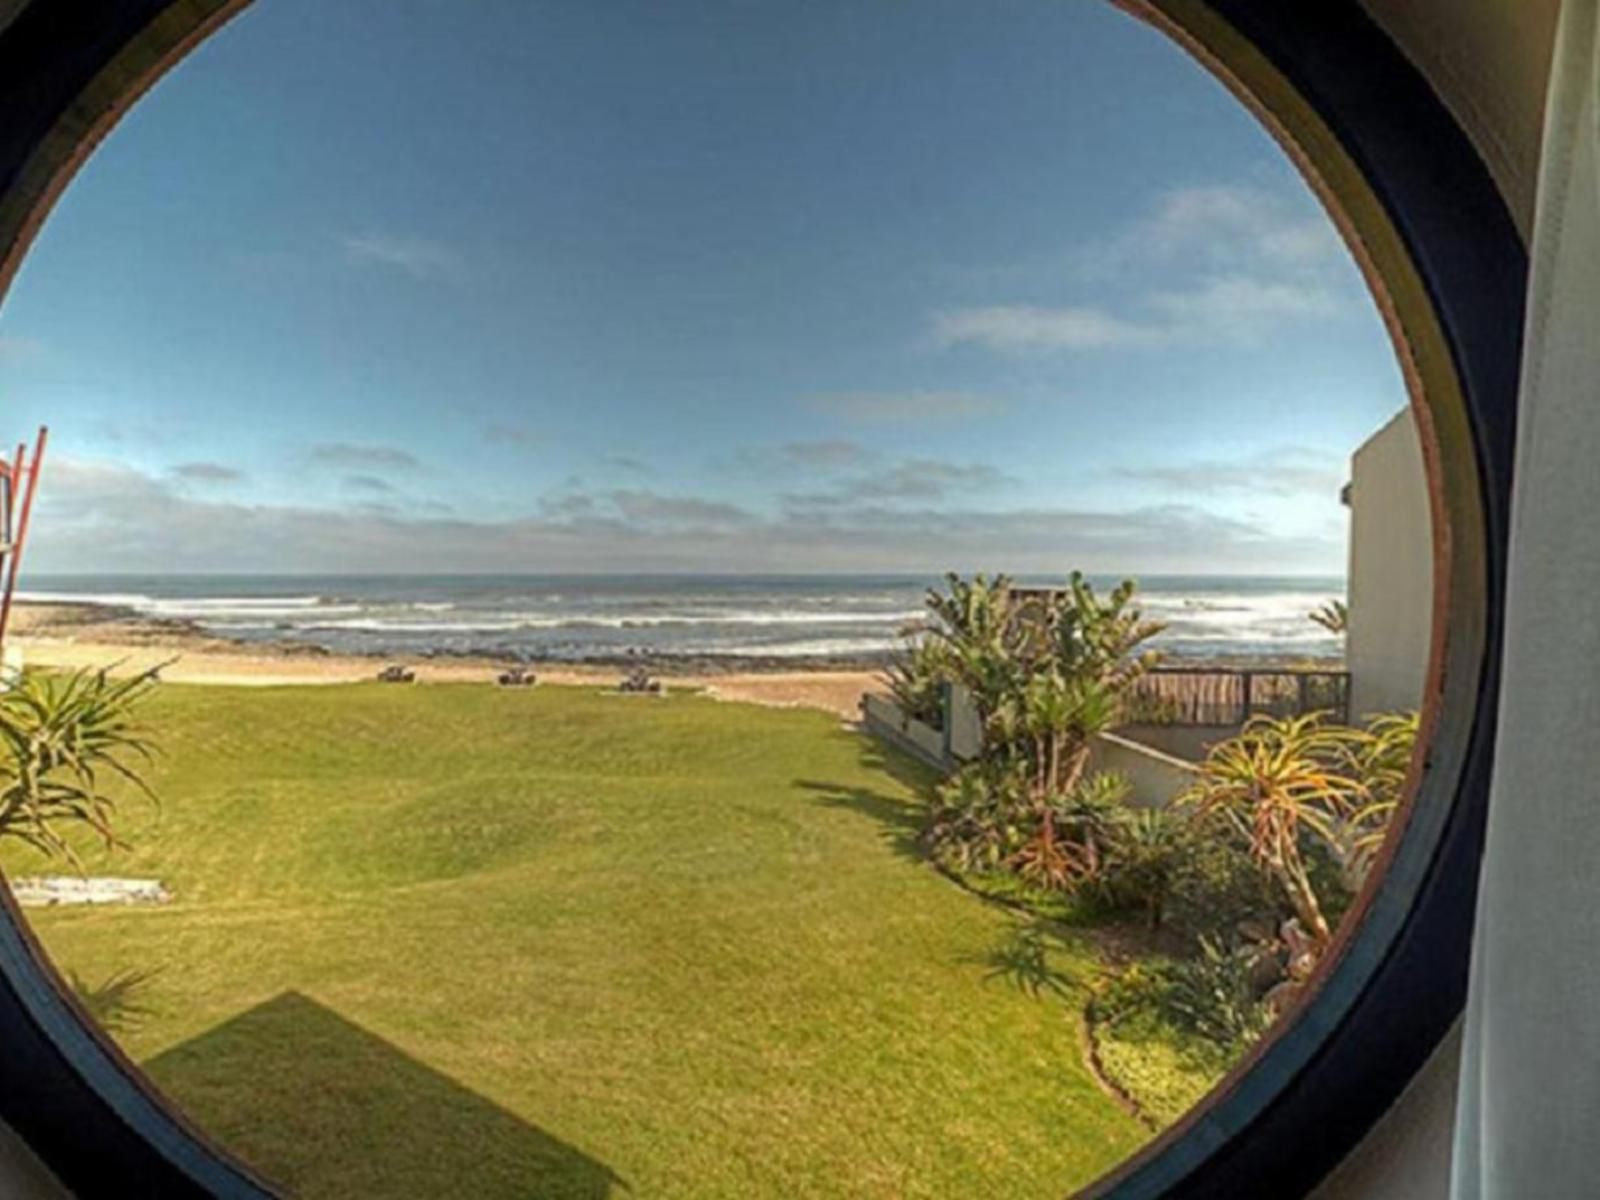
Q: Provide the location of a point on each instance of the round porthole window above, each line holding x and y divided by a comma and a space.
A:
637, 804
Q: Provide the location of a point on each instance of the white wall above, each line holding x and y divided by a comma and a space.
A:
961, 717
1406, 1156
1391, 571
1156, 778
882, 717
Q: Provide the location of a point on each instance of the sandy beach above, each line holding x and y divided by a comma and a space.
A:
91, 635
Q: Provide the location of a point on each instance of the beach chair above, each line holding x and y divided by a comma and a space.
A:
638, 681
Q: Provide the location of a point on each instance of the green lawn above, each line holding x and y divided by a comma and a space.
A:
458, 941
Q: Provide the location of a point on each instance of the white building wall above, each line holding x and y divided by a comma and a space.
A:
1390, 572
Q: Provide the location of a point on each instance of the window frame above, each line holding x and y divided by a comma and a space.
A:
1443, 257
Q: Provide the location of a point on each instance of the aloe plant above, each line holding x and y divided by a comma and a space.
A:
1381, 758
62, 739
1277, 783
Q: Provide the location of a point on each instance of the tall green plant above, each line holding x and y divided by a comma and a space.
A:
974, 622
1046, 671
917, 675
1099, 639
1381, 759
62, 738
1279, 783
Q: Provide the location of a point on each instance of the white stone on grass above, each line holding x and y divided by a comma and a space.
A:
46, 890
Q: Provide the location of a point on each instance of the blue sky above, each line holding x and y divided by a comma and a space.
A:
704, 286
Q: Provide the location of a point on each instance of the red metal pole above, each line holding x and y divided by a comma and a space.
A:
14, 555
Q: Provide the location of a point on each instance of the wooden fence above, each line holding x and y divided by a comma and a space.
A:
1227, 696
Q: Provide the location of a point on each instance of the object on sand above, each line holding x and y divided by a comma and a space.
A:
397, 673
517, 677
638, 681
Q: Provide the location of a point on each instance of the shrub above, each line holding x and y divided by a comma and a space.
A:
981, 815
1216, 888
1146, 857
1381, 760
988, 817
1072, 833
61, 738
916, 677
1214, 994
1045, 674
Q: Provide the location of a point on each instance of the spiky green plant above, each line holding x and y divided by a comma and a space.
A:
62, 738
1334, 616
1147, 851
974, 624
1381, 759
1099, 638
917, 675
1046, 673
1280, 781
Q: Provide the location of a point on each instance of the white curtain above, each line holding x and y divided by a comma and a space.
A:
1528, 1116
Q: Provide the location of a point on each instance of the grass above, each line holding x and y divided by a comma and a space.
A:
459, 941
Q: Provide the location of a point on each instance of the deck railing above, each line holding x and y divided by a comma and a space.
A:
1229, 696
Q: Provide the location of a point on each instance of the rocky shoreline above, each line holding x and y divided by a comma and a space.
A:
124, 626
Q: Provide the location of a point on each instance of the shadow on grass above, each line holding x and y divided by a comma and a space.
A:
1022, 958
916, 777
116, 1003
328, 1109
902, 818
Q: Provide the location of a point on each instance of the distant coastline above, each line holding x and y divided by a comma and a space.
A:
675, 624
118, 625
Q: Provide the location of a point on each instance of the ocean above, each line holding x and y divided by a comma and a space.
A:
603, 618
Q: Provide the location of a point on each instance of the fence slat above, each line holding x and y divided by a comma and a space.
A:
1228, 696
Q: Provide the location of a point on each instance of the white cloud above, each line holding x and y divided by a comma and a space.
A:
1024, 327
1205, 264
653, 510
1228, 226
16, 348
103, 516
903, 408
207, 472
1224, 308
1281, 471
1239, 307
415, 256
352, 454
919, 479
